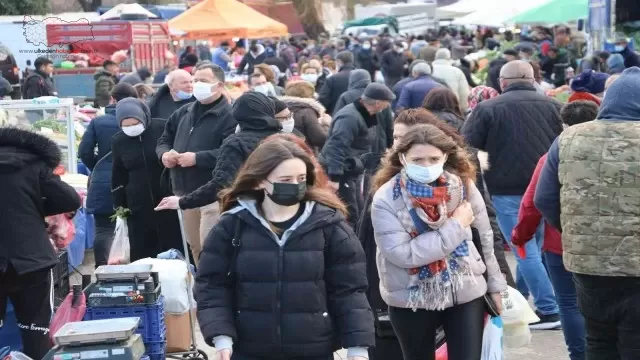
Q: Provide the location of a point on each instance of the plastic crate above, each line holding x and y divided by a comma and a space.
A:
151, 328
157, 356
154, 348
60, 291
61, 270
97, 298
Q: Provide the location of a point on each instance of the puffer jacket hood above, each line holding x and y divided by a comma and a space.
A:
359, 79
255, 111
617, 104
100, 73
133, 108
20, 148
296, 103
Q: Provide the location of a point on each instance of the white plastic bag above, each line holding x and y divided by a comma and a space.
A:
378, 77
120, 248
516, 315
174, 281
492, 339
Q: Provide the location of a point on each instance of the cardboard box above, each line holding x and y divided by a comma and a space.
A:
178, 331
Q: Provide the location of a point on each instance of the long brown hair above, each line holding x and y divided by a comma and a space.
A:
443, 99
458, 161
260, 164
421, 116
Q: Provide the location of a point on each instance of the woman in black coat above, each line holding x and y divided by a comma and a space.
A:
282, 275
137, 184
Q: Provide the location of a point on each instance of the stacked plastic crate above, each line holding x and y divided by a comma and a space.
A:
103, 302
61, 278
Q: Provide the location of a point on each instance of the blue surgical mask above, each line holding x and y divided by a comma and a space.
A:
423, 174
619, 48
183, 95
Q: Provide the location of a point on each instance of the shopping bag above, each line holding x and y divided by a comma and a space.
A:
72, 309
61, 230
492, 339
516, 316
120, 247
442, 353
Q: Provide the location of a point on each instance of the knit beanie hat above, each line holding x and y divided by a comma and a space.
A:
589, 81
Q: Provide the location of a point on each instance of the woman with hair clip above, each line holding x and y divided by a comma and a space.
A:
431, 273
282, 275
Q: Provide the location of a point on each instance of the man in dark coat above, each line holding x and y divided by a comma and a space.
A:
365, 58
99, 201
190, 147
256, 55
29, 191
255, 113
414, 93
137, 181
514, 148
176, 92
39, 82
351, 137
393, 64
338, 83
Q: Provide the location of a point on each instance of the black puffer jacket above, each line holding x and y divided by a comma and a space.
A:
515, 129
29, 191
255, 113
334, 87
192, 129
305, 298
162, 104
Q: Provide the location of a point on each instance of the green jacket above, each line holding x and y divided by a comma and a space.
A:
105, 82
599, 171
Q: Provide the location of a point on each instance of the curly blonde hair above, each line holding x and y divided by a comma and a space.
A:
301, 89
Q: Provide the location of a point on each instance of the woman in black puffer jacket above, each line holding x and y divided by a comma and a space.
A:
282, 276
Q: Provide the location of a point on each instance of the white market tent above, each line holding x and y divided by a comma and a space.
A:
126, 9
497, 13
460, 8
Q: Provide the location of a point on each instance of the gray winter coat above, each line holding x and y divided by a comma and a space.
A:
397, 251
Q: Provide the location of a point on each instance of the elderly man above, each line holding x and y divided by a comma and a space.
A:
516, 129
454, 78
189, 147
413, 94
177, 91
353, 134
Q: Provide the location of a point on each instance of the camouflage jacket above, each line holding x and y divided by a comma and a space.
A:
599, 165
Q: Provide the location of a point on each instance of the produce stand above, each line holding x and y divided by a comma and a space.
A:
52, 117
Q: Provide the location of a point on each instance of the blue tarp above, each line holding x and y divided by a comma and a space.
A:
164, 12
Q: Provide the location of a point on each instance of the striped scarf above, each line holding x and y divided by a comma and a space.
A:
427, 208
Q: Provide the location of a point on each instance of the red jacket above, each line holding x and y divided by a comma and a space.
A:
529, 218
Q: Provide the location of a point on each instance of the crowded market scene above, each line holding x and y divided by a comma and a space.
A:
317, 180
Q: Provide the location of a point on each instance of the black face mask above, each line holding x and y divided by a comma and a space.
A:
287, 194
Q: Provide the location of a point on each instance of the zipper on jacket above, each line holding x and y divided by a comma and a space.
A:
279, 294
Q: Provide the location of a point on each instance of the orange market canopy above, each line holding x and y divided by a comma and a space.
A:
225, 19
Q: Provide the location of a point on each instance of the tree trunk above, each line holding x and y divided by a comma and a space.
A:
309, 15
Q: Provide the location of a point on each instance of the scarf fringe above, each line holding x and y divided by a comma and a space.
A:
434, 293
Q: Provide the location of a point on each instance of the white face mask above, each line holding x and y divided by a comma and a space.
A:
134, 130
288, 125
263, 89
202, 91
312, 78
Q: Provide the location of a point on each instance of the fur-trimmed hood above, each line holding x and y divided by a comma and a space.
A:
296, 103
20, 148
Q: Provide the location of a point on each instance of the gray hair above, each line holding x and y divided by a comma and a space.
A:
173, 74
517, 71
421, 69
215, 69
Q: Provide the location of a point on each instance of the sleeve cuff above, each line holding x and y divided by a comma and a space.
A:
221, 342
358, 351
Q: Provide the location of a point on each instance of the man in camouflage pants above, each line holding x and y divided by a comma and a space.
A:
589, 188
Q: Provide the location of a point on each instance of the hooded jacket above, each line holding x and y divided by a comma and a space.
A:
38, 84
162, 104
358, 81
298, 295
587, 187
138, 184
255, 113
29, 191
307, 114
105, 82
99, 133
250, 60
186, 132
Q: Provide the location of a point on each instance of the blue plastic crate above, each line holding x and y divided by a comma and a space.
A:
151, 328
157, 356
155, 348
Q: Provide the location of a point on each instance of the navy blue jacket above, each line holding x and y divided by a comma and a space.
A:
547, 196
99, 134
413, 94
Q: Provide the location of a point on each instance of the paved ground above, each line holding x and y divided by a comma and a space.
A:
545, 345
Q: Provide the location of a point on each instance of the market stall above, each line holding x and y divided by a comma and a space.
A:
223, 20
